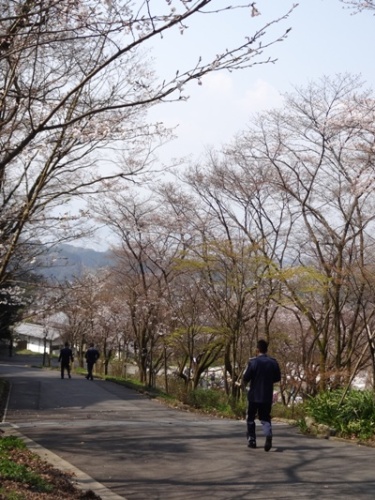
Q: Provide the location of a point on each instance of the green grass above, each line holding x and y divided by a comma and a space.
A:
18, 472
11, 495
11, 443
26, 352
22, 474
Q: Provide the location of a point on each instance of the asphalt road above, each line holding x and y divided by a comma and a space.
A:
139, 449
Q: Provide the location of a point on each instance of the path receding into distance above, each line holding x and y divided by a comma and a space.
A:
140, 449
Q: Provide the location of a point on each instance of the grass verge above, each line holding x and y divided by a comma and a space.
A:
25, 476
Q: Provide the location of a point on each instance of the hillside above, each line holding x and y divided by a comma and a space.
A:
65, 262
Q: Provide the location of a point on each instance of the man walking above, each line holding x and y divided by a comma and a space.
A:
65, 358
262, 372
92, 355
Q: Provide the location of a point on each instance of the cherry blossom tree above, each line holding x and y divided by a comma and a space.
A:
246, 235
76, 83
360, 5
75, 87
142, 273
320, 150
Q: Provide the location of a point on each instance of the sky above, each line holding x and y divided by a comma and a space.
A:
326, 39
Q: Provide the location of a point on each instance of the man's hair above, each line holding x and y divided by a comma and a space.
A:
262, 346
66, 344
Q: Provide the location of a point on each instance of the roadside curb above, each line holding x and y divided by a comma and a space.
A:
80, 479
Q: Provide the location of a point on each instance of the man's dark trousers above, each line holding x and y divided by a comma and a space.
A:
90, 367
264, 414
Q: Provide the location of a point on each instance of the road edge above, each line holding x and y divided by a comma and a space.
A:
81, 480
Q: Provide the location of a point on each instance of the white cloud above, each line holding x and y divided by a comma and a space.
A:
216, 111
219, 83
262, 95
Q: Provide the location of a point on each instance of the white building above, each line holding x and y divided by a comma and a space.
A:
37, 338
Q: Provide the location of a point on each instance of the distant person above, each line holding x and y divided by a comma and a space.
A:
262, 372
65, 358
92, 355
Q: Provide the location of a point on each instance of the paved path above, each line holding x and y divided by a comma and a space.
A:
139, 449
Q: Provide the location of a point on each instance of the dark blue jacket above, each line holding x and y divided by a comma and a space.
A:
66, 355
92, 355
262, 372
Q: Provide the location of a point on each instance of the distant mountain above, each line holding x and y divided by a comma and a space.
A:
65, 262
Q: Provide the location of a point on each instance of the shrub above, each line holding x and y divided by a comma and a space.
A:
293, 412
216, 401
353, 416
205, 399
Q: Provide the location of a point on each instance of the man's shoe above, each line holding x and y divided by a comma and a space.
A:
268, 443
251, 443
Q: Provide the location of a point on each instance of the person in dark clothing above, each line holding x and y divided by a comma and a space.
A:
262, 372
65, 358
92, 355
